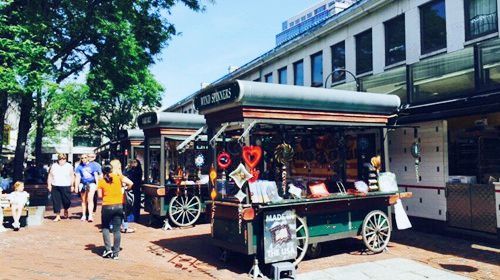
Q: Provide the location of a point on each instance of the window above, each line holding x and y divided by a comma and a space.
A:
298, 73
480, 18
303, 18
317, 70
395, 50
284, 25
443, 77
364, 52
282, 76
490, 62
320, 9
268, 78
433, 26
309, 15
388, 82
338, 61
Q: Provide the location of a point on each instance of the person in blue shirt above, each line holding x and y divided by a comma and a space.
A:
87, 176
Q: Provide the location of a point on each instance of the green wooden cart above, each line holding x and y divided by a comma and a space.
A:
182, 204
317, 220
262, 115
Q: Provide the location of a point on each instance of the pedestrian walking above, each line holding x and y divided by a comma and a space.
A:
87, 176
128, 198
110, 190
98, 167
18, 198
60, 184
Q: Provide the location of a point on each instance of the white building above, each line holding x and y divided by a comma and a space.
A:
442, 58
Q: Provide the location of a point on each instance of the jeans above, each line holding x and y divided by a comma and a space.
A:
61, 195
112, 215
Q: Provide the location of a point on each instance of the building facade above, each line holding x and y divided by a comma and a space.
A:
442, 58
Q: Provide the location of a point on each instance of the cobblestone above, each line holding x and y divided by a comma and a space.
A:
71, 249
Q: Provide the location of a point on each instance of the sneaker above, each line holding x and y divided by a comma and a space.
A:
107, 254
83, 218
66, 214
91, 219
115, 257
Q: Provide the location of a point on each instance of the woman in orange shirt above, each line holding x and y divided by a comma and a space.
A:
110, 190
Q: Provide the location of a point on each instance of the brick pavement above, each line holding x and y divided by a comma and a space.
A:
71, 249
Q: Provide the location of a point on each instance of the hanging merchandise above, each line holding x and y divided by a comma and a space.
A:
240, 175
199, 160
255, 175
283, 154
212, 175
223, 160
416, 152
252, 155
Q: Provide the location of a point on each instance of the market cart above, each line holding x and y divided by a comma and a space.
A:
172, 186
308, 148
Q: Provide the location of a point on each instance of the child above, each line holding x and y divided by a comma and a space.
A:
18, 198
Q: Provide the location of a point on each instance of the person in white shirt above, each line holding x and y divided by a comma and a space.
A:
60, 183
18, 198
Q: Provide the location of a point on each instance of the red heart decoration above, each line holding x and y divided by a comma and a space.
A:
252, 155
224, 160
255, 174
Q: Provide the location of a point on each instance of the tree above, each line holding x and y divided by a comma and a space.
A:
77, 33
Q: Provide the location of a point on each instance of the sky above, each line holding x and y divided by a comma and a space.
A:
228, 33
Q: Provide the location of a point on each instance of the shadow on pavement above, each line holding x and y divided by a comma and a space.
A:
486, 253
94, 249
197, 253
459, 267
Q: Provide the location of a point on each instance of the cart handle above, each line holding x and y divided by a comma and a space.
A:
394, 198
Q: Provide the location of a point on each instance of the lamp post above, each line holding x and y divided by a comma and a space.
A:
358, 86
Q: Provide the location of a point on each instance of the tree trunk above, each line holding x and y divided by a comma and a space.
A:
3, 111
22, 135
39, 127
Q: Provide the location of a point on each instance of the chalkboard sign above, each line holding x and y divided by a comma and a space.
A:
280, 237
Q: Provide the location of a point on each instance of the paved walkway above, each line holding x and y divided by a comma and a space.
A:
393, 269
70, 249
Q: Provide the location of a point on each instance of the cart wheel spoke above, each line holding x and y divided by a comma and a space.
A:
302, 233
185, 210
376, 231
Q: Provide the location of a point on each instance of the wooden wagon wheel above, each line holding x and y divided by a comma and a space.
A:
302, 239
184, 210
376, 231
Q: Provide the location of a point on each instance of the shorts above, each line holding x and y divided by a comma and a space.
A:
87, 187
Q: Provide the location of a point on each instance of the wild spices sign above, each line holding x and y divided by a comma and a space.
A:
280, 238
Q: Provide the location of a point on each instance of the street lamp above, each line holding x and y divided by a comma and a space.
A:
358, 86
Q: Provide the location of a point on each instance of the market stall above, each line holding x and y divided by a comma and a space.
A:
302, 165
130, 145
174, 186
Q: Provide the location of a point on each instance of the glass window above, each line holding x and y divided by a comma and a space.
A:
443, 77
338, 61
395, 50
298, 73
282, 76
480, 18
317, 70
284, 25
433, 26
346, 86
389, 82
320, 9
309, 15
364, 52
268, 78
491, 63
153, 165
303, 18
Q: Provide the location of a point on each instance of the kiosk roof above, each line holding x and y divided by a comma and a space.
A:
170, 120
240, 93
